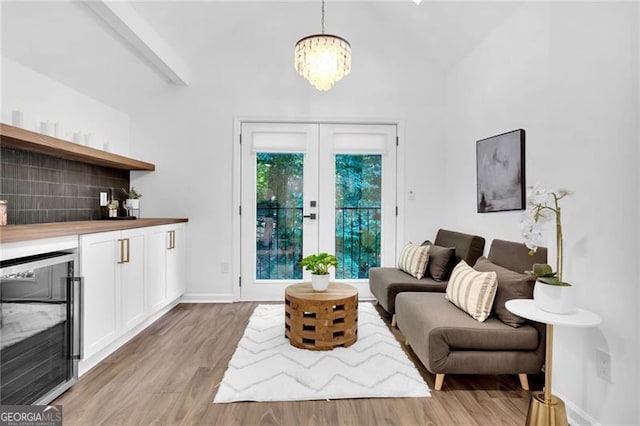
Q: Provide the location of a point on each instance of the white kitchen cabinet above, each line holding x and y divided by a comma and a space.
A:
99, 257
112, 264
129, 276
132, 277
166, 264
155, 271
176, 261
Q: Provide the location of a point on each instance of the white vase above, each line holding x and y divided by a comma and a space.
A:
132, 203
320, 282
553, 298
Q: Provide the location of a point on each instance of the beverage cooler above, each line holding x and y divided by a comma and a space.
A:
40, 327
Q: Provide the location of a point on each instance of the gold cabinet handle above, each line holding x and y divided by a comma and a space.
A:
128, 250
172, 240
121, 242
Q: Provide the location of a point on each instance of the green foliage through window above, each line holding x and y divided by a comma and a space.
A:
279, 209
279, 186
358, 214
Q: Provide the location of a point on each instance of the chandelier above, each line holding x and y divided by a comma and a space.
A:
323, 59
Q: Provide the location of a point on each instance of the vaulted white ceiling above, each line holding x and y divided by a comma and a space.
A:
69, 42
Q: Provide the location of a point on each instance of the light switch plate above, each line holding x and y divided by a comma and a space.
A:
103, 199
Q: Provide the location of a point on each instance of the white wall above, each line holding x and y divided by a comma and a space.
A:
41, 98
567, 73
188, 134
638, 178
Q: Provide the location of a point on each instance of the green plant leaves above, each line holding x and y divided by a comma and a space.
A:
319, 264
543, 270
544, 273
133, 194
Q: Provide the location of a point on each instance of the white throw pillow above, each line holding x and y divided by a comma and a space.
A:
472, 291
413, 260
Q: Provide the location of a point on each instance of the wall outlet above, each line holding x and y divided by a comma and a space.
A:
103, 199
411, 195
603, 365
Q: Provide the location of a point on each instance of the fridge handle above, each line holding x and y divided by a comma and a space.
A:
77, 323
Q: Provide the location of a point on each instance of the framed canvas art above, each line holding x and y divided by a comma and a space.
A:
500, 172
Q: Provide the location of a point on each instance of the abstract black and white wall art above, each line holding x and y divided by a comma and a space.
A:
500, 172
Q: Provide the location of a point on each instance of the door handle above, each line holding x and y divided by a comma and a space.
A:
311, 216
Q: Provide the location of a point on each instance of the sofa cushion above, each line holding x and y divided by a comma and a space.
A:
385, 283
436, 329
468, 247
511, 285
515, 256
440, 261
413, 260
472, 291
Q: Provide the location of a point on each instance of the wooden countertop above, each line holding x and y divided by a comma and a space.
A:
15, 233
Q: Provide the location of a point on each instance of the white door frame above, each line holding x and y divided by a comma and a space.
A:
237, 178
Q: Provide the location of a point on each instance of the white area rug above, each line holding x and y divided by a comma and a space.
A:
265, 367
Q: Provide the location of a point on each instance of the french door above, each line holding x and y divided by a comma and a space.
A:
309, 188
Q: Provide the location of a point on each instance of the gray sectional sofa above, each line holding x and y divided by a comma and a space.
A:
449, 248
449, 341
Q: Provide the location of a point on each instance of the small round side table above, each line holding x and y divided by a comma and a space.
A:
546, 408
321, 320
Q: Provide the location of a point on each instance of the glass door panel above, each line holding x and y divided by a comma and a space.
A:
279, 190
279, 181
357, 193
358, 214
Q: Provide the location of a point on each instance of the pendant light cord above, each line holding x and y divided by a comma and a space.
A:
322, 16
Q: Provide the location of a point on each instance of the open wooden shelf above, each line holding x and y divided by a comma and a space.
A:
36, 142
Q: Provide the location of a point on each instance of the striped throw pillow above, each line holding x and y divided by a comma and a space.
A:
472, 291
413, 260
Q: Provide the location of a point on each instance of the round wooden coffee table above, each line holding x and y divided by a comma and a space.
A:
321, 320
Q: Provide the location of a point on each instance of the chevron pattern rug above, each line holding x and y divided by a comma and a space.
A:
265, 367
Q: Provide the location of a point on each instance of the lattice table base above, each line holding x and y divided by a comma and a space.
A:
321, 320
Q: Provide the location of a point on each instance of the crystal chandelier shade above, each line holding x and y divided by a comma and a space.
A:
323, 59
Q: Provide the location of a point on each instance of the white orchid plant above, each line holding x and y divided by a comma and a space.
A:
543, 206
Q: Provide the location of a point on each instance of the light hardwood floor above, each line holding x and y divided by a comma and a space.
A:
168, 375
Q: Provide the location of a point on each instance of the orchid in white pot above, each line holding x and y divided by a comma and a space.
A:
543, 206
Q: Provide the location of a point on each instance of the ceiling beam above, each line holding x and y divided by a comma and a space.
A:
127, 23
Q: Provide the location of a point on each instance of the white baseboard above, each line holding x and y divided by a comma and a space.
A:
206, 298
86, 365
576, 415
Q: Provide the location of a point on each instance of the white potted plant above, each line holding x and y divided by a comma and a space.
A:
133, 198
318, 265
551, 292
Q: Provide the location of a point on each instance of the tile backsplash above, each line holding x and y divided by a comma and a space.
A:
40, 188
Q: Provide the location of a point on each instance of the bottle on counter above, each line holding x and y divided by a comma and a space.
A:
112, 206
3, 212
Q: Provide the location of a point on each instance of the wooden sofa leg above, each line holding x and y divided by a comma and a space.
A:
439, 381
524, 381
393, 320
